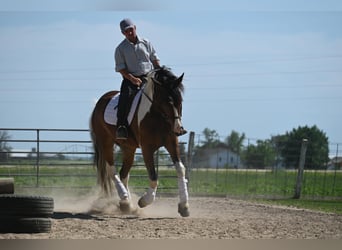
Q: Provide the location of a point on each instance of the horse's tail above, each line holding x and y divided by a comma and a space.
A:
104, 171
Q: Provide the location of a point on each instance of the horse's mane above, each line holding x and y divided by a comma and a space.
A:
167, 79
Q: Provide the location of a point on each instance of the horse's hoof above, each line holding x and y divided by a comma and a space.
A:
142, 203
183, 209
147, 199
125, 206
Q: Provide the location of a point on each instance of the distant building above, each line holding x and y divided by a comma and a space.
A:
19, 154
219, 157
335, 163
22, 154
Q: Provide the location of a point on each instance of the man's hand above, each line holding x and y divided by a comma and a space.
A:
136, 81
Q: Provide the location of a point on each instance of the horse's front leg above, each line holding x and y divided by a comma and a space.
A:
183, 205
150, 195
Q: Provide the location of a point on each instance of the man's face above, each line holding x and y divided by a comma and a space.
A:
130, 34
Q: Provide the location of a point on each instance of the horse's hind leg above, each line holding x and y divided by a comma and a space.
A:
127, 162
111, 174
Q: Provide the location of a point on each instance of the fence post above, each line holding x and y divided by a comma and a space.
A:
299, 182
37, 160
189, 155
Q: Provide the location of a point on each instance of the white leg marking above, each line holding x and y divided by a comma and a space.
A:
182, 183
122, 191
150, 195
125, 182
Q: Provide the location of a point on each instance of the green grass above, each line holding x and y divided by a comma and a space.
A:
331, 206
274, 184
321, 190
59, 176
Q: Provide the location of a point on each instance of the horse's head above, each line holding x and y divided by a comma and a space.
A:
167, 94
169, 85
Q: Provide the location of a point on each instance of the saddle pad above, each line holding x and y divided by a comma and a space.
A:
112, 108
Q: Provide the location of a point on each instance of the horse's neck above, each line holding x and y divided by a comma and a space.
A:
146, 100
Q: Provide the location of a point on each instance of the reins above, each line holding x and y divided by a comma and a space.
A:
166, 117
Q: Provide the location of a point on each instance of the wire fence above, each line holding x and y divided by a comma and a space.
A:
63, 158
258, 171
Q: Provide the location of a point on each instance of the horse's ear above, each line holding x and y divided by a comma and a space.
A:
179, 80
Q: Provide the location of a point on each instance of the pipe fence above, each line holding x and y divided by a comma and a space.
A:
63, 159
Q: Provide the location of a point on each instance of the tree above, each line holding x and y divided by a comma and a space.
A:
4, 146
261, 155
234, 141
211, 138
317, 154
182, 152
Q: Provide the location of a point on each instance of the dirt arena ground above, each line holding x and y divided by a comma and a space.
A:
210, 218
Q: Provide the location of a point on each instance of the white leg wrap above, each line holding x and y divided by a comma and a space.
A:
122, 191
182, 183
125, 182
150, 196
183, 190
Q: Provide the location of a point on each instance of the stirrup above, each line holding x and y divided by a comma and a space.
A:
121, 133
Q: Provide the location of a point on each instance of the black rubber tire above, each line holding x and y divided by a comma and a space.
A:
25, 225
25, 206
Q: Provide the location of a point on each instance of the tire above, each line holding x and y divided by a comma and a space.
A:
25, 206
25, 225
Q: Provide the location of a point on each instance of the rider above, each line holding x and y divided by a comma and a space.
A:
134, 58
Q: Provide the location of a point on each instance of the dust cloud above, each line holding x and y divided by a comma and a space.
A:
94, 202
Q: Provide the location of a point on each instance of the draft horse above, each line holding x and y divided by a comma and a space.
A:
152, 127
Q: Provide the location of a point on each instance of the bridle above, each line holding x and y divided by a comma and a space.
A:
159, 110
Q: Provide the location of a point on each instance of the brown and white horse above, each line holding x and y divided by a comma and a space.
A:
153, 126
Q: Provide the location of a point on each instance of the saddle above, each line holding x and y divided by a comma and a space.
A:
110, 113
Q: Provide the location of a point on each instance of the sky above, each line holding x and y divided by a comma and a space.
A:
257, 67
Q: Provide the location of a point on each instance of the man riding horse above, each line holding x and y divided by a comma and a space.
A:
135, 57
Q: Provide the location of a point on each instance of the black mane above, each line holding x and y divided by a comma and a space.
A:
167, 79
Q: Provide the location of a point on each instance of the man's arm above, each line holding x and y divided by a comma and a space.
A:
135, 80
156, 64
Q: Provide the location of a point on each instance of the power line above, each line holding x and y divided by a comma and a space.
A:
55, 70
268, 99
241, 61
274, 86
238, 61
189, 76
268, 73
216, 100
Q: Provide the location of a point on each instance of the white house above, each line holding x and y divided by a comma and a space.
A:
335, 163
19, 154
216, 158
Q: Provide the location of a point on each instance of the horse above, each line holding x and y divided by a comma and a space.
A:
153, 126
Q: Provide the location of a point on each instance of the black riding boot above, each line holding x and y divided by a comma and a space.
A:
121, 130
127, 91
